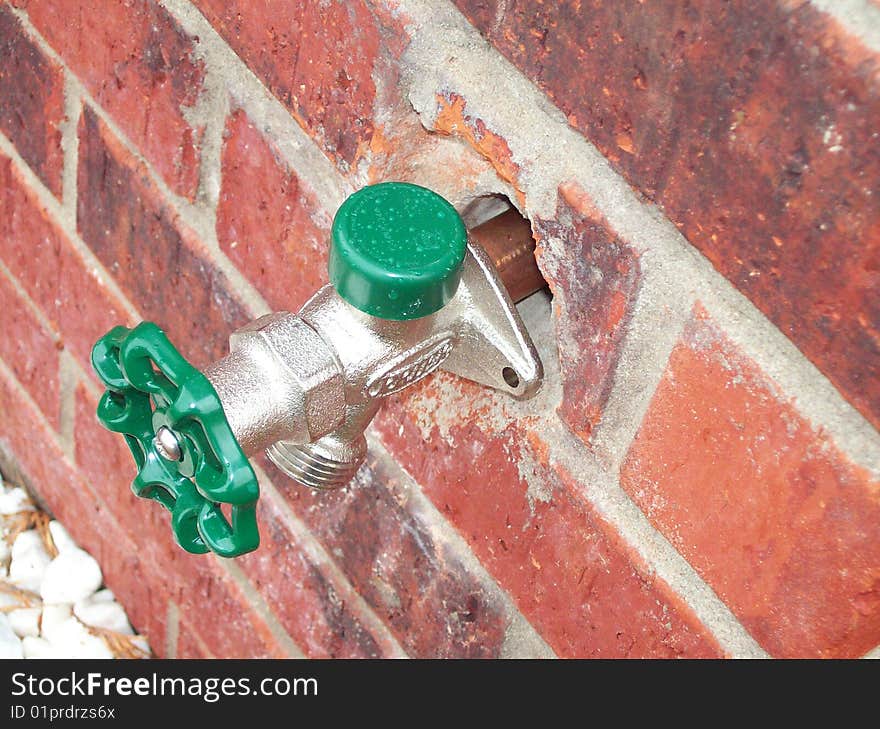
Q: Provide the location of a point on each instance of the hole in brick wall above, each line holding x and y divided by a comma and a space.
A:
506, 236
485, 207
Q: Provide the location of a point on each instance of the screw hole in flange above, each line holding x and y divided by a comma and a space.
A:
510, 377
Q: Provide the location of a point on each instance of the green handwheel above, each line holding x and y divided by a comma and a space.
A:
187, 458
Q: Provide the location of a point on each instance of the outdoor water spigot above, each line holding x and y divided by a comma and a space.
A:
409, 293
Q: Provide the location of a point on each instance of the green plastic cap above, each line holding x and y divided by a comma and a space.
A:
396, 251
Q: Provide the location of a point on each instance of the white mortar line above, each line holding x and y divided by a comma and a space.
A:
267, 112
604, 492
50, 203
70, 146
172, 629
600, 486
657, 319
861, 18
37, 312
314, 550
69, 374
65, 404
199, 218
521, 639
873, 653
259, 606
443, 52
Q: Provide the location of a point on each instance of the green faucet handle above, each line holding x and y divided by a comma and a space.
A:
173, 422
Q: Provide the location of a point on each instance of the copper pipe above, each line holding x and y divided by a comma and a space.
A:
508, 241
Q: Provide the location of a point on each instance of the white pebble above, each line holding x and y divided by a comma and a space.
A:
38, 648
63, 541
55, 617
10, 643
29, 561
102, 611
14, 500
71, 576
25, 621
73, 640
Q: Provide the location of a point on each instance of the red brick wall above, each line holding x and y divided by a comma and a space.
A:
700, 475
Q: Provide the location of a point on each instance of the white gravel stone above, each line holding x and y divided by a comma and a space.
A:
10, 643
38, 648
102, 611
29, 561
73, 607
55, 617
73, 640
25, 621
71, 576
14, 500
63, 541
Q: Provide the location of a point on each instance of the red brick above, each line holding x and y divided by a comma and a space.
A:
104, 459
318, 59
318, 618
563, 565
227, 621
774, 517
594, 277
432, 604
45, 467
31, 101
29, 350
54, 274
141, 67
268, 220
155, 258
752, 124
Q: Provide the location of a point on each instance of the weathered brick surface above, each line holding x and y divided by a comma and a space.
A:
754, 125
594, 277
488, 474
149, 250
31, 101
767, 509
418, 587
321, 621
316, 58
30, 349
54, 274
140, 66
190, 645
268, 221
